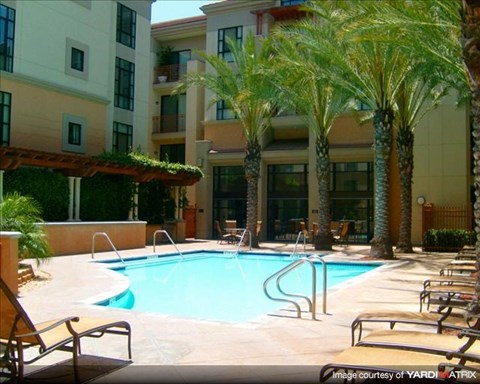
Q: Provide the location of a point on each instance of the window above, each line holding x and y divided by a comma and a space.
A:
173, 153
122, 137
74, 133
172, 114
5, 117
7, 33
124, 84
234, 33
126, 23
224, 112
229, 195
77, 59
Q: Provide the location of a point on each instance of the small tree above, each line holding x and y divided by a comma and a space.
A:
23, 214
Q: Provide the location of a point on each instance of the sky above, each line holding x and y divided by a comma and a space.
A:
165, 10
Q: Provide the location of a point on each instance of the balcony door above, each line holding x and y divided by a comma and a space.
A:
172, 113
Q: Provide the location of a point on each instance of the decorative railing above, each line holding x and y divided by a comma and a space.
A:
168, 123
169, 73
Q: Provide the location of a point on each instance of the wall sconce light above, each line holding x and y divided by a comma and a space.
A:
200, 162
420, 200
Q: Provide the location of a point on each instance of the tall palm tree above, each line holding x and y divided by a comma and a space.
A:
318, 101
243, 86
373, 71
418, 95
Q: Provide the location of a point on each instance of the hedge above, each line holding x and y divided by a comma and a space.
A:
447, 240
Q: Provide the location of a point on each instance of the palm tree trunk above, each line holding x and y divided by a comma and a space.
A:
405, 139
253, 158
471, 54
323, 239
381, 245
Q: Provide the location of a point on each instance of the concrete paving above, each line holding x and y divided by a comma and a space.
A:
270, 349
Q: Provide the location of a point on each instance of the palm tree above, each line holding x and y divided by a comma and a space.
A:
373, 71
318, 101
418, 95
243, 86
23, 214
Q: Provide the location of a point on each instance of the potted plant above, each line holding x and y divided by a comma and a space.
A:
164, 60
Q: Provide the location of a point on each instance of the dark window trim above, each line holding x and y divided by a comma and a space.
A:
124, 93
5, 123
222, 48
7, 15
126, 36
117, 131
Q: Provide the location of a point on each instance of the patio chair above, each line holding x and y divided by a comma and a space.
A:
440, 320
18, 332
221, 236
446, 295
341, 235
397, 359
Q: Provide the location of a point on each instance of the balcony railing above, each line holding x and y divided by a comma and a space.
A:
169, 73
168, 123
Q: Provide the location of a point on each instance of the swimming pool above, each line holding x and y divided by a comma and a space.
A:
218, 286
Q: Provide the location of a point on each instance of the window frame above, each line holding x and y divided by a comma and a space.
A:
5, 123
115, 134
7, 18
223, 49
69, 146
124, 93
126, 35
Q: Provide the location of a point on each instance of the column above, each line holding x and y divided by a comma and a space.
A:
135, 202
77, 198
176, 196
71, 189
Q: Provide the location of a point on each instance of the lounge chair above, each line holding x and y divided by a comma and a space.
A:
221, 236
398, 361
438, 320
17, 332
450, 280
446, 295
341, 235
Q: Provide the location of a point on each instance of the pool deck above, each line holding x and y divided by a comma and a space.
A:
272, 349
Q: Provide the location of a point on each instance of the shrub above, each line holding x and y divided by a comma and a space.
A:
447, 240
21, 214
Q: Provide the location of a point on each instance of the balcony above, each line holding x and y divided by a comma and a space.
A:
168, 123
169, 73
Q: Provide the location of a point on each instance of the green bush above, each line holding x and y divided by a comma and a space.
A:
106, 197
21, 214
47, 187
154, 202
447, 240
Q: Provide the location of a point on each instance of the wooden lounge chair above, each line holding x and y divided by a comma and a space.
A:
17, 332
389, 359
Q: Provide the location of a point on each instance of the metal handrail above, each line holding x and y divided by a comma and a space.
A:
108, 239
312, 303
296, 243
240, 242
169, 238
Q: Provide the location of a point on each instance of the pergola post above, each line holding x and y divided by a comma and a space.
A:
135, 202
71, 189
77, 198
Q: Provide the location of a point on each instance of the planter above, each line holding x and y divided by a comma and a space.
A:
162, 79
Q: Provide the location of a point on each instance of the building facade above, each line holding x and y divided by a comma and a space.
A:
184, 129
75, 75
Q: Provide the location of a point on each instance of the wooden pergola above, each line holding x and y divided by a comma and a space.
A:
85, 166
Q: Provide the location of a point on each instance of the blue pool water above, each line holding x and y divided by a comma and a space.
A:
217, 286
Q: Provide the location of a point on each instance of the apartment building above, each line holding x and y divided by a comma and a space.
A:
183, 129
75, 75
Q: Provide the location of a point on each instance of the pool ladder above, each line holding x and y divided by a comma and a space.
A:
312, 302
169, 238
104, 234
299, 236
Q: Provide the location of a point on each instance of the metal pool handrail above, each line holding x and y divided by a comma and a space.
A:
296, 243
108, 239
312, 303
240, 242
169, 238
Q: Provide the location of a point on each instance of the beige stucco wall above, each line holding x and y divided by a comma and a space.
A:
37, 117
76, 237
442, 160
